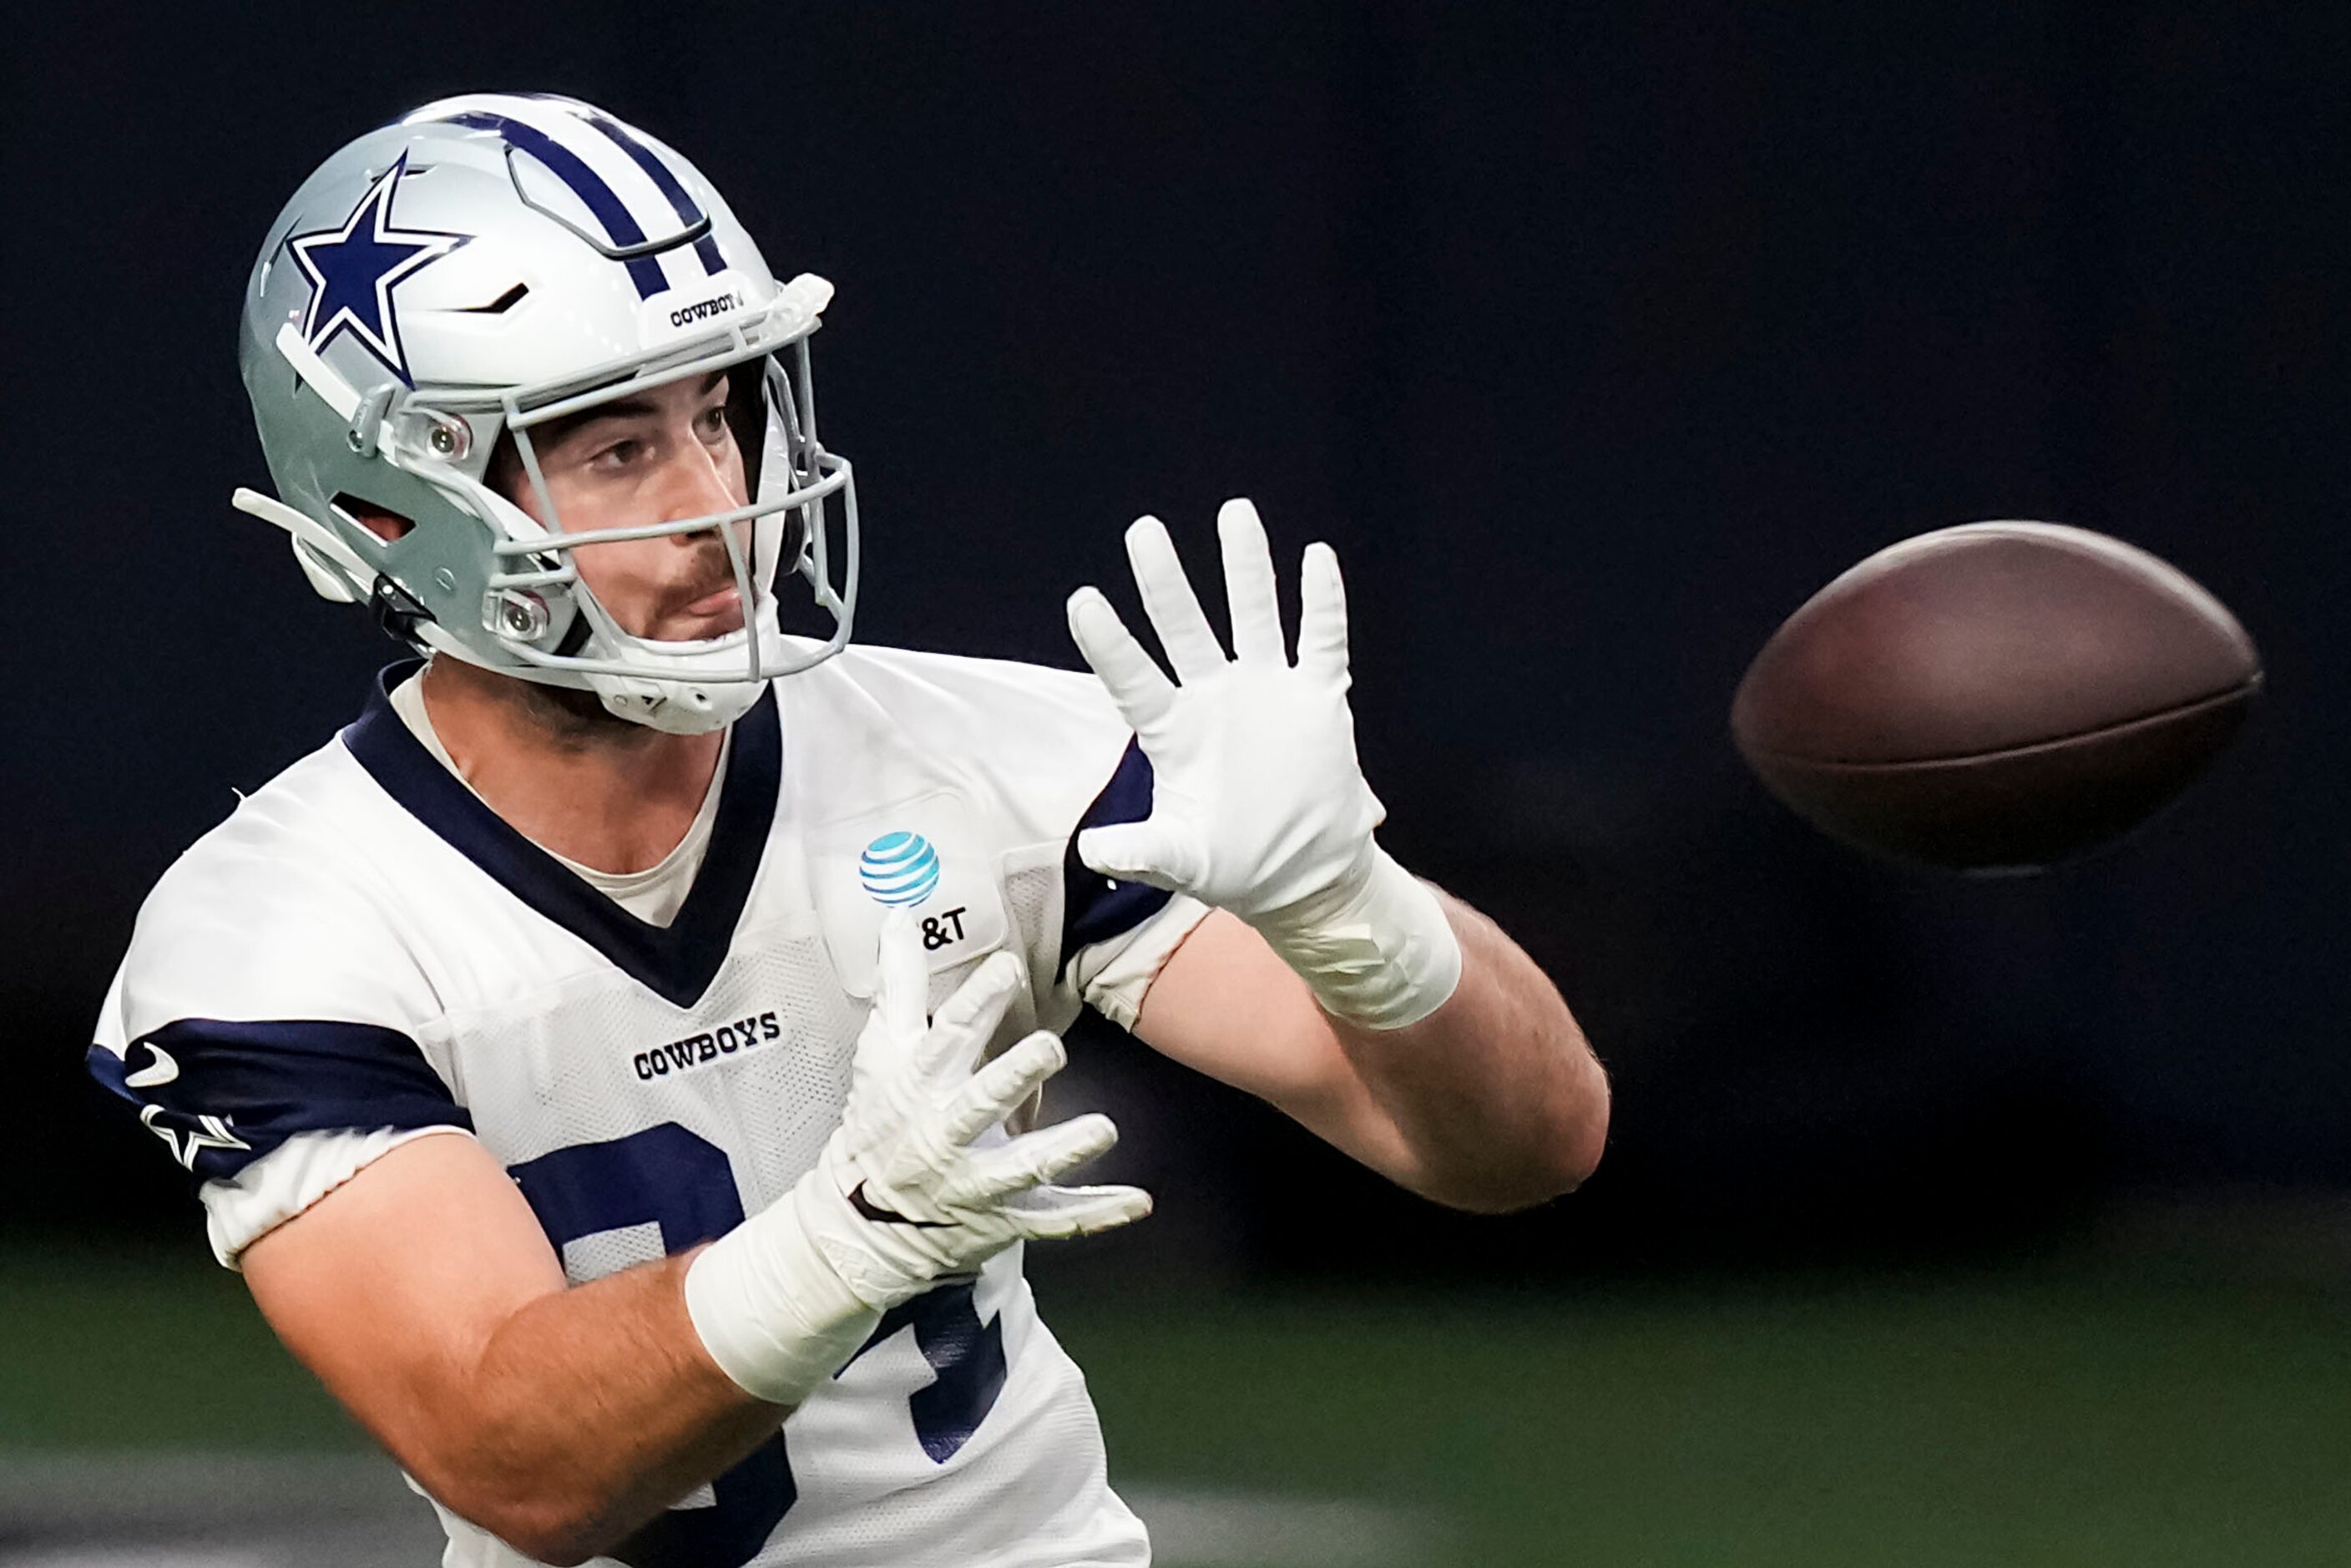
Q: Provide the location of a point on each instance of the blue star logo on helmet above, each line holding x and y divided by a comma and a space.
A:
900, 870
353, 270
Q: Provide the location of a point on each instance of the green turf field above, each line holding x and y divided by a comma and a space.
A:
2070, 1419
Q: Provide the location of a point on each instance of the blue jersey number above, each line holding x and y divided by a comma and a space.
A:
966, 1359
679, 1182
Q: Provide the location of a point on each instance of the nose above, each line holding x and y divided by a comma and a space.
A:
698, 483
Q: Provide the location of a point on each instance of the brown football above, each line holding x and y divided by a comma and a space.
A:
1993, 696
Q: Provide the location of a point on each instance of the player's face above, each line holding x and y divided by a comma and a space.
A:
654, 457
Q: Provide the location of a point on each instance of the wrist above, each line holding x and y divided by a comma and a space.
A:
772, 1311
1375, 946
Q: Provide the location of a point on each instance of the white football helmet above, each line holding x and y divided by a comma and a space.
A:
481, 266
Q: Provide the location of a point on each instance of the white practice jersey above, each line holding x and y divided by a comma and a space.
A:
364, 953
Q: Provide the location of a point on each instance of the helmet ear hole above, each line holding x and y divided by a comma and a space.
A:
381, 521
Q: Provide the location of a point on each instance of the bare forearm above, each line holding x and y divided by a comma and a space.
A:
590, 1411
1493, 1101
1496, 1094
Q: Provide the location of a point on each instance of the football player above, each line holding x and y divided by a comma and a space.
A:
612, 1060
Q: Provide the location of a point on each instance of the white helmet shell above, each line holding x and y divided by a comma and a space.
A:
482, 265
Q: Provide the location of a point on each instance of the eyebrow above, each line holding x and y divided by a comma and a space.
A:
562, 430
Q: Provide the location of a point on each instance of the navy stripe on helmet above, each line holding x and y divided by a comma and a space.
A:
566, 166
663, 176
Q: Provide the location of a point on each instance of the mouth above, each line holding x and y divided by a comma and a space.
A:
724, 599
716, 613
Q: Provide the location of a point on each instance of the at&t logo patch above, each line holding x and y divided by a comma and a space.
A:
899, 870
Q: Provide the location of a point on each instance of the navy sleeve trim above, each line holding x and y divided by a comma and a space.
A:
1095, 908
221, 1094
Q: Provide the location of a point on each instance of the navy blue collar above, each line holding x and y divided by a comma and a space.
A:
677, 961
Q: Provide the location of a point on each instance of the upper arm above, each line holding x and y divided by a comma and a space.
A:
390, 1286
1225, 1004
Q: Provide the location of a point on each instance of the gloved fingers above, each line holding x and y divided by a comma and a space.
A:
1030, 1160
1322, 613
1052, 1152
902, 978
968, 1019
1151, 851
1058, 1213
992, 1093
1168, 600
1135, 681
1249, 593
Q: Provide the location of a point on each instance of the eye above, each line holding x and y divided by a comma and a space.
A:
620, 454
713, 422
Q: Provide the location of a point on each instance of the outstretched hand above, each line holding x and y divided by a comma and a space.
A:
1258, 801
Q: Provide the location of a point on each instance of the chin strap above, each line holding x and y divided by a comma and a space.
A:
332, 567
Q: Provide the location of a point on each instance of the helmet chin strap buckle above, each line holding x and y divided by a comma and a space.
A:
398, 612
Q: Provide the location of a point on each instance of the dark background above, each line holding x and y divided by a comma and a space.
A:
1594, 339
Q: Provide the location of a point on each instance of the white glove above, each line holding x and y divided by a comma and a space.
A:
928, 1201
909, 1190
1259, 804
